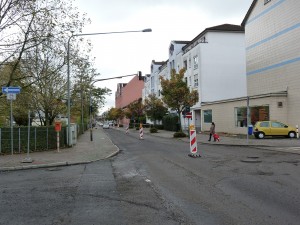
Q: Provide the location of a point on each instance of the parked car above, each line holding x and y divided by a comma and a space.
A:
273, 128
105, 126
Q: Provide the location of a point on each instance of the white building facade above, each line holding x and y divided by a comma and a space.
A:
216, 67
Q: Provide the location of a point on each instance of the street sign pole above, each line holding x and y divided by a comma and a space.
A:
189, 127
11, 129
11, 95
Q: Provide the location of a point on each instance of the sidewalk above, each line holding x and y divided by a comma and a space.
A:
274, 144
86, 151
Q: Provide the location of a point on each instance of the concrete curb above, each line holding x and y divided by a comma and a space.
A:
13, 168
57, 164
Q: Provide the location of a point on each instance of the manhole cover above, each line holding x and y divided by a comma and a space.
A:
251, 160
54, 169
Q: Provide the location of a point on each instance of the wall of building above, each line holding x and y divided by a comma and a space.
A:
131, 92
224, 115
273, 52
222, 66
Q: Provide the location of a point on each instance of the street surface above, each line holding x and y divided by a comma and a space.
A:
153, 181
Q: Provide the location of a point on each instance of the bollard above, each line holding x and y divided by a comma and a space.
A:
193, 142
141, 132
127, 129
297, 131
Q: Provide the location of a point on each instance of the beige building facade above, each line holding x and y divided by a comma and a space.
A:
272, 31
272, 37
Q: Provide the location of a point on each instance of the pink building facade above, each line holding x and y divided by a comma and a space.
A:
127, 93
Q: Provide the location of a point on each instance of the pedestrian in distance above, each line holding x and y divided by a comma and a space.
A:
212, 131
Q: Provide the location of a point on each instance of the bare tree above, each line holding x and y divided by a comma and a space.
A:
38, 49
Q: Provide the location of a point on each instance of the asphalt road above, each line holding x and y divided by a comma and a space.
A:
153, 181
228, 185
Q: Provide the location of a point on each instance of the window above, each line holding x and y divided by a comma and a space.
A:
185, 64
277, 125
172, 65
152, 82
195, 62
190, 81
257, 113
267, 1
207, 116
190, 62
203, 40
264, 124
196, 80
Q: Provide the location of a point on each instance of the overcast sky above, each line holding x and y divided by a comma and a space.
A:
123, 54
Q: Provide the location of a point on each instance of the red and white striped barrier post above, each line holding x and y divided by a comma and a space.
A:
57, 129
193, 142
141, 131
127, 129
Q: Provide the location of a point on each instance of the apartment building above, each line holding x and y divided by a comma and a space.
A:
127, 93
215, 66
272, 29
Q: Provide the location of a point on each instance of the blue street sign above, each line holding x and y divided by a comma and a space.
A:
11, 90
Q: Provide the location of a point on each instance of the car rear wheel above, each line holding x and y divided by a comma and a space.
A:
292, 135
261, 135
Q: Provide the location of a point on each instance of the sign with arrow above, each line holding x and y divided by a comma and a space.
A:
11, 90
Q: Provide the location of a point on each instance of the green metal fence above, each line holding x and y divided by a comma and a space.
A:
18, 139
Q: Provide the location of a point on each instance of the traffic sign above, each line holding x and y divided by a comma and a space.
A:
188, 115
11, 90
11, 96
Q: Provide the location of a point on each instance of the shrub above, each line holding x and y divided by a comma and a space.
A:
159, 127
179, 134
170, 122
153, 130
146, 125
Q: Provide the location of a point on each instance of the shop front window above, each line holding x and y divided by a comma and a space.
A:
257, 113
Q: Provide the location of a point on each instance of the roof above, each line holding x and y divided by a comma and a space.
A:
225, 27
220, 28
248, 13
181, 42
158, 63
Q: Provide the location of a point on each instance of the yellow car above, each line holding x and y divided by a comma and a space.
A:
273, 128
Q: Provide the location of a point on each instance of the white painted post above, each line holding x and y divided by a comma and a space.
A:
297, 131
57, 140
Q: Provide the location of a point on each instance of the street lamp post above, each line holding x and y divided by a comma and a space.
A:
68, 70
